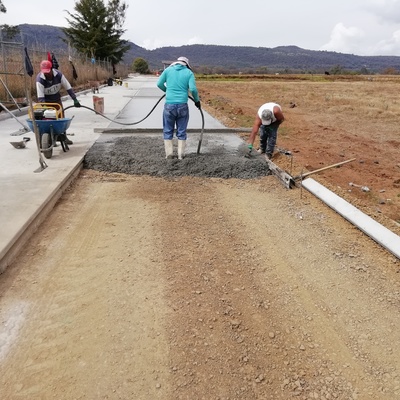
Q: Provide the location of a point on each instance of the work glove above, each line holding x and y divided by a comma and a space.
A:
197, 104
245, 150
76, 103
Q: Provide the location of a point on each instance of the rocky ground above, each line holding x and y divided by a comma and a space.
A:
327, 122
199, 279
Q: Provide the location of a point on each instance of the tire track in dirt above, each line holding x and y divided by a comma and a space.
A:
260, 308
318, 259
94, 329
198, 288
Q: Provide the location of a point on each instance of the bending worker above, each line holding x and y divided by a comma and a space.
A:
176, 81
48, 85
268, 119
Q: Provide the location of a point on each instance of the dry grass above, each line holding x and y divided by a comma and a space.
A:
333, 120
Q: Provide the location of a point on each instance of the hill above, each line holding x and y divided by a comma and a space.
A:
216, 58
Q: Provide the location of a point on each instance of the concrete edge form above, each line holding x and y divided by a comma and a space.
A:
382, 235
15, 246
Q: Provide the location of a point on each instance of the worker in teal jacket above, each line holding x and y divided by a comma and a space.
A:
177, 81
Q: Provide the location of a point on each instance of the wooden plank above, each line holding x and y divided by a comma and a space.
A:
283, 176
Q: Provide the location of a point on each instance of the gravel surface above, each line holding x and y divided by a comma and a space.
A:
145, 156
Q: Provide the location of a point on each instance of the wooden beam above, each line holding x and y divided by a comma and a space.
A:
283, 176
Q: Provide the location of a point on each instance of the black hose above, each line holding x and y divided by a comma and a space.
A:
202, 131
120, 123
135, 123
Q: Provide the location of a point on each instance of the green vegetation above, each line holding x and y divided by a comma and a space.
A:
285, 77
95, 30
140, 66
9, 32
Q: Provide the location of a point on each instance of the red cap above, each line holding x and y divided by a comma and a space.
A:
45, 66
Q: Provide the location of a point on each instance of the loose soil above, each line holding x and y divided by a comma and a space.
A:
327, 121
221, 285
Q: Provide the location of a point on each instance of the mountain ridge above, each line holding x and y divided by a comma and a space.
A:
232, 59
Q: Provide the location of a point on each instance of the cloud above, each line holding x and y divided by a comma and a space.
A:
344, 40
388, 47
155, 43
195, 40
385, 10
152, 44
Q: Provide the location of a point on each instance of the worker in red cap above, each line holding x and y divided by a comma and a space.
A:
49, 82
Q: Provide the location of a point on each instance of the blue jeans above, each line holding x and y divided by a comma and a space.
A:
268, 135
175, 114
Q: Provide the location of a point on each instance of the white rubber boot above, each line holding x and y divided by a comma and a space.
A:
169, 149
181, 149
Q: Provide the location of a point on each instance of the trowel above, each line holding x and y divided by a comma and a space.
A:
244, 151
21, 144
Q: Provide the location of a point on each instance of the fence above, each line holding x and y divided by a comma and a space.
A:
15, 82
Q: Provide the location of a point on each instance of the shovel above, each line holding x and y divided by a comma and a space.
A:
21, 144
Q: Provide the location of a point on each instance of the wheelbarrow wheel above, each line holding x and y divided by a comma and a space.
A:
47, 148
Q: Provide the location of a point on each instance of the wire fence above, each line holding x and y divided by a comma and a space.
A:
78, 69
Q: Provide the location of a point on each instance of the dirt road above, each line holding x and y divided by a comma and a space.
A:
331, 121
147, 288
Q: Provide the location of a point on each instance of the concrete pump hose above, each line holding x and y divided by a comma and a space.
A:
135, 123
120, 123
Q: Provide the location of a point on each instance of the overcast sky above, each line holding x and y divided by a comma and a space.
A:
362, 27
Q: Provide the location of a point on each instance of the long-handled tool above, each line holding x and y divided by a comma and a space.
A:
301, 176
29, 72
24, 128
42, 163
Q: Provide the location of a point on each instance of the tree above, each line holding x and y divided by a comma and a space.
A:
95, 30
390, 71
10, 31
141, 66
337, 70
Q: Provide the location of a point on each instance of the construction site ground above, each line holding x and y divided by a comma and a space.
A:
216, 286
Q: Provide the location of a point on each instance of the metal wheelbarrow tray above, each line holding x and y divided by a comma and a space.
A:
51, 130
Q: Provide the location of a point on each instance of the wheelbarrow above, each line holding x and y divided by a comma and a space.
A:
51, 127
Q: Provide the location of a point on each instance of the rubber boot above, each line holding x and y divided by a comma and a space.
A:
169, 149
181, 149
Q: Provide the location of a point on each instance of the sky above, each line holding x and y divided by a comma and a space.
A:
361, 27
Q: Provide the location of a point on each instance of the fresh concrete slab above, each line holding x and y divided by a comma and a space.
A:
28, 196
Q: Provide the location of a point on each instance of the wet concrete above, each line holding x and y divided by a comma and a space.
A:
132, 147
221, 156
